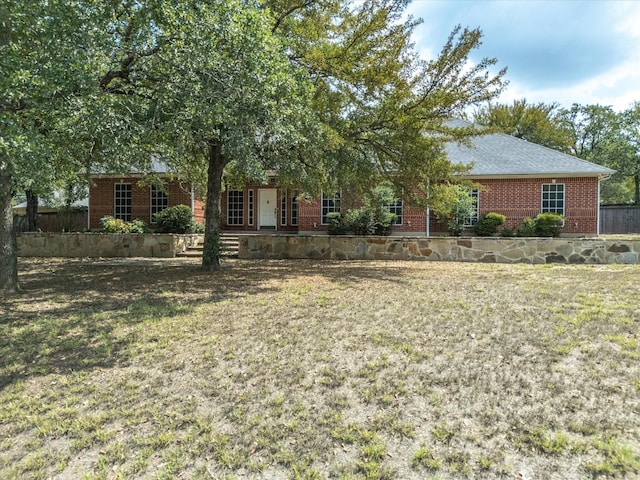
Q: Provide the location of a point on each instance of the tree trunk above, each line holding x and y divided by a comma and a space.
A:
8, 244
32, 210
211, 252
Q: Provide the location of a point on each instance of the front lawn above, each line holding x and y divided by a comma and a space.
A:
313, 370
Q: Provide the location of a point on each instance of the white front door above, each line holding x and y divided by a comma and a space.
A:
267, 208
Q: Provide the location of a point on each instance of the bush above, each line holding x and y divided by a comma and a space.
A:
488, 224
138, 226
548, 224
178, 219
527, 228
359, 222
115, 225
336, 224
507, 232
385, 223
544, 225
197, 227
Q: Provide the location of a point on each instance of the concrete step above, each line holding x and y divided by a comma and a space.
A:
230, 245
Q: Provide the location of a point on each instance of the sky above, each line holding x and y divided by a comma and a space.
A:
562, 51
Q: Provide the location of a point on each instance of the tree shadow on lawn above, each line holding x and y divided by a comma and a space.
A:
78, 314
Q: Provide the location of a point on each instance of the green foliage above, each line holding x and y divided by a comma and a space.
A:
548, 224
216, 88
538, 123
336, 224
488, 224
544, 225
197, 227
177, 219
374, 218
452, 204
359, 221
527, 228
115, 225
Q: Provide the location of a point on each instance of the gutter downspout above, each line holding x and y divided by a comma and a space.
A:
600, 178
598, 210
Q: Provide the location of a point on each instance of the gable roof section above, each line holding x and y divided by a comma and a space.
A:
498, 154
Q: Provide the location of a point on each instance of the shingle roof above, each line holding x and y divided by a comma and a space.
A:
497, 154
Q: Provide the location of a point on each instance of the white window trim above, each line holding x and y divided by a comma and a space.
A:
151, 212
250, 207
472, 220
398, 203
564, 198
322, 197
283, 208
115, 213
229, 208
295, 202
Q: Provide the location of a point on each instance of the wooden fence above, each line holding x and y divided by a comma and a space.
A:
72, 221
619, 219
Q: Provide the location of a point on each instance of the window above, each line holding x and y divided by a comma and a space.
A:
283, 208
250, 208
473, 219
122, 201
330, 204
396, 208
553, 198
235, 207
294, 208
159, 201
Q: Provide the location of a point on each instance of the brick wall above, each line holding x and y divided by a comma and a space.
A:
102, 192
515, 198
519, 198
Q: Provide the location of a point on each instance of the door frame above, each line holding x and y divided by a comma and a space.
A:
261, 198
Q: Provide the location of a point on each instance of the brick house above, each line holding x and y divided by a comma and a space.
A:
125, 197
518, 179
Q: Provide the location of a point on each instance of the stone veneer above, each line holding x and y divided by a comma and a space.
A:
103, 244
474, 249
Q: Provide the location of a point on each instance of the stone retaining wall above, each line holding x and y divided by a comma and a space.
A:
475, 249
103, 244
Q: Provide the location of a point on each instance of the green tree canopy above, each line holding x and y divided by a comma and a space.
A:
603, 136
325, 93
537, 123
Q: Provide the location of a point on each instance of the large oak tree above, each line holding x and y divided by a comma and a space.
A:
326, 93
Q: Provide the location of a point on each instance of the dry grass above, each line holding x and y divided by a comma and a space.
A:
310, 370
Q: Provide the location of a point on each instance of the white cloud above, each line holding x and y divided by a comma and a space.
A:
585, 52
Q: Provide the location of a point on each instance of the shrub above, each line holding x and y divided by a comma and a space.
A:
452, 204
115, 225
197, 227
385, 223
544, 225
138, 226
336, 224
527, 228
488, 224
548, 224
359, 221
507, 232
178, 219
